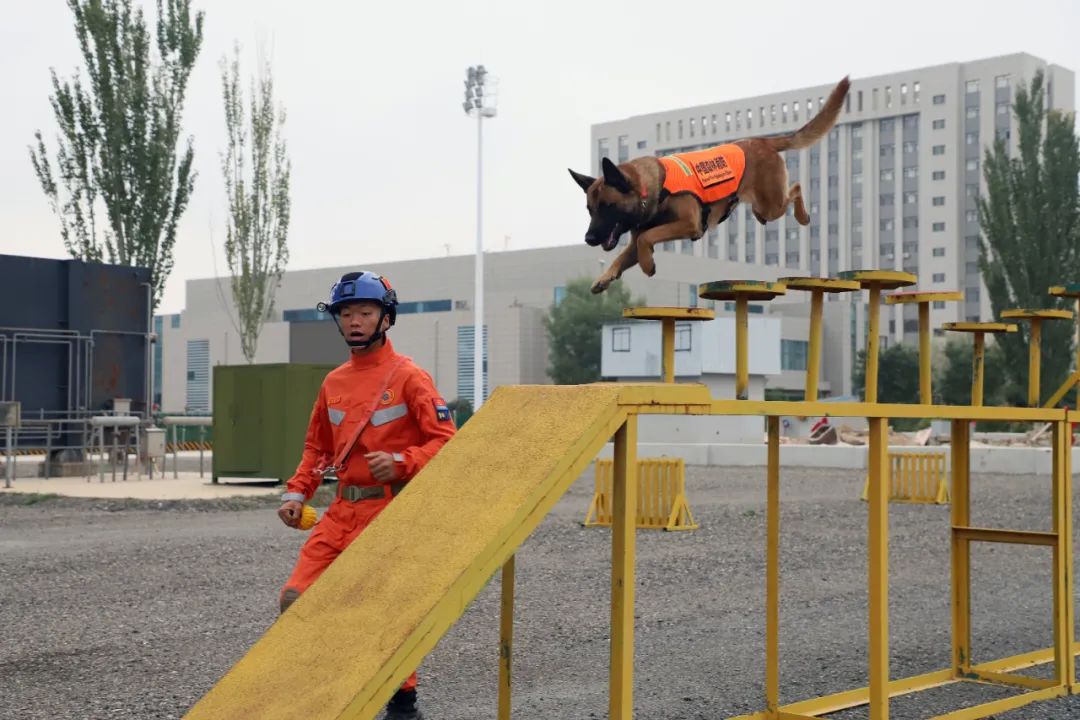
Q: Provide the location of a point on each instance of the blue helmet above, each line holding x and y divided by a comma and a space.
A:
361, 287
357, 286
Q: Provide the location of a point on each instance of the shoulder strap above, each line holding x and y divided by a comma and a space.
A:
339, 461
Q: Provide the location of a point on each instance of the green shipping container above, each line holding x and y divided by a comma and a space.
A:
261, 414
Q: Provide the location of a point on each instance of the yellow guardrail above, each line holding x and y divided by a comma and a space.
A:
661, 504
916, 477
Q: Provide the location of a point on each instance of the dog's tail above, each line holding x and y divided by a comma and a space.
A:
820, 124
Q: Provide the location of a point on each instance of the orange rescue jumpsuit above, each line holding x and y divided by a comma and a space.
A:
411, 421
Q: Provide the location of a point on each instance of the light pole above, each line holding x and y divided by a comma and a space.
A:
479, 101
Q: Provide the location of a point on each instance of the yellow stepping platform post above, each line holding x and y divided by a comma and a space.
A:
668, 316
742, 292
978, 354
875, 281
1036, 317
923, 300
1069, 291
817, 287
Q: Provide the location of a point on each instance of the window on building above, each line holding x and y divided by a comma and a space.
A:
620, 339
939, 200
911, 198
971, 190
887, 175
1002, 108
939, 277
915, 88
938, 149
971, 138
972, 216
886, 149
856, 178
174, 321
972, 164
911, 171
624, 148
939, 227
885, 199
971, 112
912, 221
939, 100
910, 146
683, 337
903, 93
939, 304
602, 148
667, 131
971, 86
939, 252
886, 124
856, 203
856, 130
772, 258
560, 295
1001, 81
888, 96
938, 124
938, 175
657, 132
793, 354
886, 225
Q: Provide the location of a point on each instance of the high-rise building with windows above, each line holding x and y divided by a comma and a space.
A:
894, 185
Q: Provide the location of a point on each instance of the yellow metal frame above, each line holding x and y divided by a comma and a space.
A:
588, 416
875, 281
668, 316
662, 503
923, 300
742, 292
817, 287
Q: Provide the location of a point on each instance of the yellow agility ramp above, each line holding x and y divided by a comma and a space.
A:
347, 643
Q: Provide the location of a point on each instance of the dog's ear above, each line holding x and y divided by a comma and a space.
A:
614, 177
583, 180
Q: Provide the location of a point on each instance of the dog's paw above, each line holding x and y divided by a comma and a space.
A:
648, 268
600, 286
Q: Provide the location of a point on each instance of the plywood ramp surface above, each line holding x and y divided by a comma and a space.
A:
344, 647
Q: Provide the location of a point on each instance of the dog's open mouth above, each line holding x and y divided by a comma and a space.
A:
612, 240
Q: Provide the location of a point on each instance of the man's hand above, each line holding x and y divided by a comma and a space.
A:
382, 466
290, 512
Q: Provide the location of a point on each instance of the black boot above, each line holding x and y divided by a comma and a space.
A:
403, 706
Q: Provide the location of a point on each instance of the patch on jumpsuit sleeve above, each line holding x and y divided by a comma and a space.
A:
442, 413
336, 416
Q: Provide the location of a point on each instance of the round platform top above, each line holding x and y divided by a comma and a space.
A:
669, 313
1025, 314
831, 285
980, 327
1072, 290
923, 296
884, 279
735, 289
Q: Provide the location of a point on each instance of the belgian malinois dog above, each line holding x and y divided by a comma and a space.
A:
683, 196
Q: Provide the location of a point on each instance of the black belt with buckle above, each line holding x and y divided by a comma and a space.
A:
356, 493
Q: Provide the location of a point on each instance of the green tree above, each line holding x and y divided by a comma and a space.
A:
898, 379
256, 168
119, 130
898, 374
574, 329
952, 386
1030, 222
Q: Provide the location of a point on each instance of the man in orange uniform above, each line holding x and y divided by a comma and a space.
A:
377, 421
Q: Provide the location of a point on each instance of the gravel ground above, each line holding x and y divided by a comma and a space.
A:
134, 609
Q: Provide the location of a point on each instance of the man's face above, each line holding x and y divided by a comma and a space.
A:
360, 320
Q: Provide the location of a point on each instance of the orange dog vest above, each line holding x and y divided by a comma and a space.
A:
710, 175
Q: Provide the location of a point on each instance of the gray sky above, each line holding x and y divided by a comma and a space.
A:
384, 160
